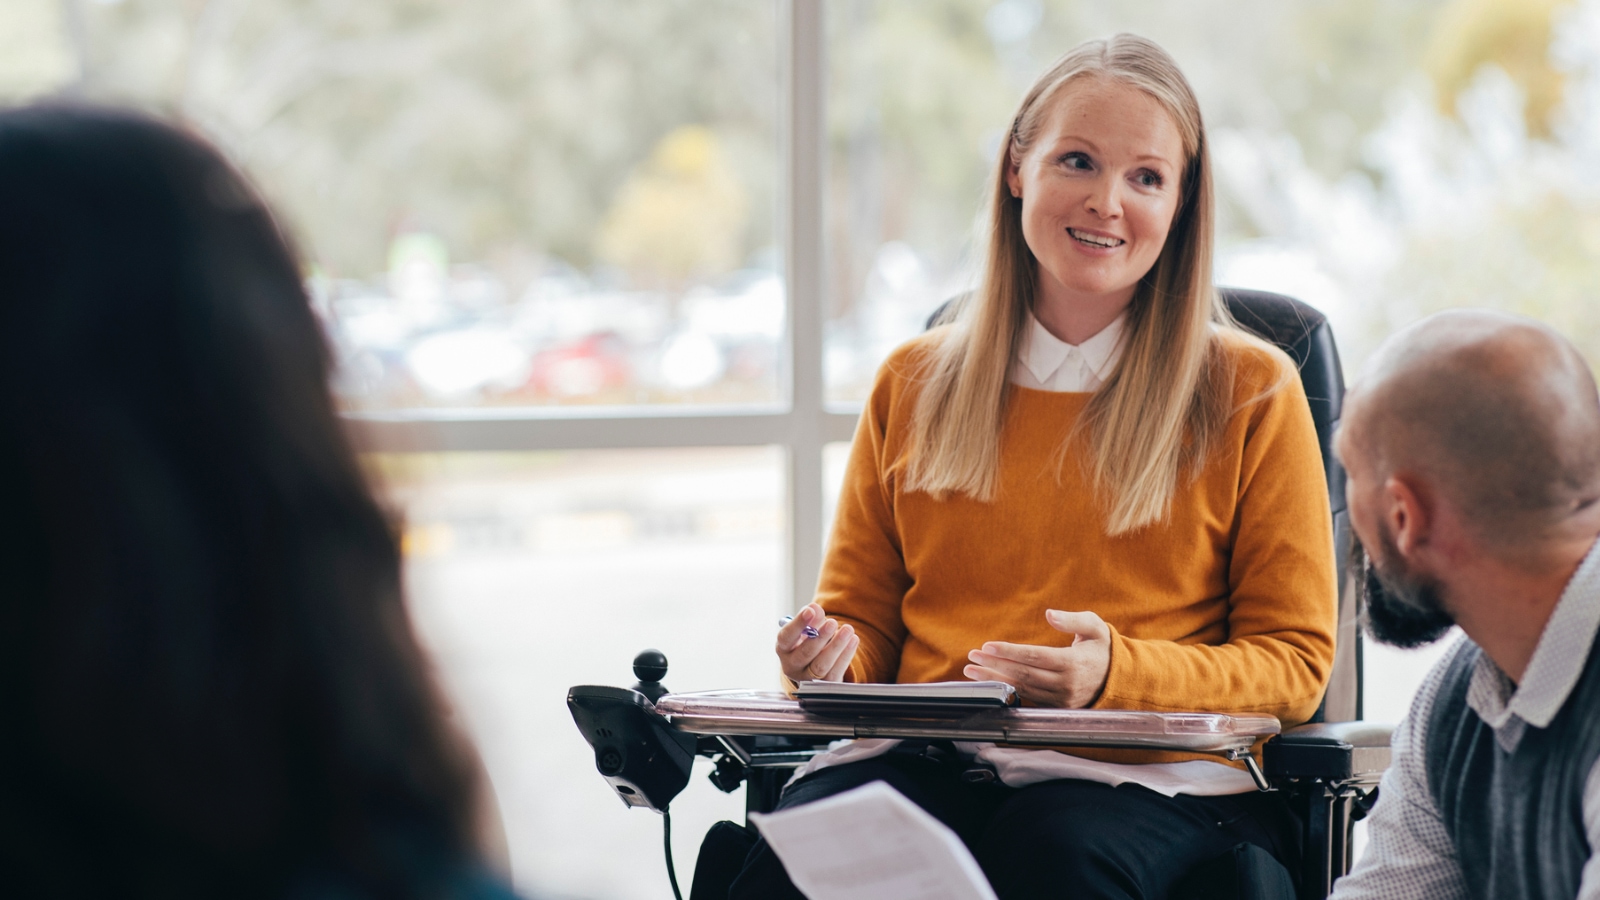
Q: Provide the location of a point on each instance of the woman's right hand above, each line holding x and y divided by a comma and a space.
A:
825, 657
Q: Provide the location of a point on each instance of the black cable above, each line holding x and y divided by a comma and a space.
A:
666, 840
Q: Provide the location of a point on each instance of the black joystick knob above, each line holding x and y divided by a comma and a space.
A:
650, 666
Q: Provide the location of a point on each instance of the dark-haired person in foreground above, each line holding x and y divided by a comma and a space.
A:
209, 686
1473, 449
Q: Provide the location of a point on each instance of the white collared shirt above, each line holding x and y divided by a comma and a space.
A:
1047, 363
1410, 854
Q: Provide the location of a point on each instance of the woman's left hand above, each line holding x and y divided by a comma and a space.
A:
1070, 677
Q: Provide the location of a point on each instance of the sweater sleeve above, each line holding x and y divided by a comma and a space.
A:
1283, 594
864, 576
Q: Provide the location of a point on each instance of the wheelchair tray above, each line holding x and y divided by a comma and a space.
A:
774, 713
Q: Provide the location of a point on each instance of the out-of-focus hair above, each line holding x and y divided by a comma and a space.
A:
209, 682
1170, 395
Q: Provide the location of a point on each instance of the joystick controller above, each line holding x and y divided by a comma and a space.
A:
645, 760
650, 666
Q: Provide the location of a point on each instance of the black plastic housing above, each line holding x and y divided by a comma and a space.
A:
645, 761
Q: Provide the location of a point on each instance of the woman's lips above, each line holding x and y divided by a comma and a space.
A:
1095, 239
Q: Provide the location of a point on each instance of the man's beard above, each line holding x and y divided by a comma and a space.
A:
1399, 608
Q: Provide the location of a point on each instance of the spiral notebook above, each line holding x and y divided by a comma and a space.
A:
939, 699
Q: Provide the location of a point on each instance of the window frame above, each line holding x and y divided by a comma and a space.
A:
800, 424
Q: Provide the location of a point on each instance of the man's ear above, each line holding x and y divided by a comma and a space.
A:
1409, 512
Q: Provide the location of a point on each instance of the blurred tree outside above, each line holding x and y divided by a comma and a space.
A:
916, 98
506, 126
682, 214
1511, 34
1497, 197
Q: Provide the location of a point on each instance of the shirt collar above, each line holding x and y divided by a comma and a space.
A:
1043, 353
1556, 665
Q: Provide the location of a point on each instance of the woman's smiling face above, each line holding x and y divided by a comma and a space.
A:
1099, 189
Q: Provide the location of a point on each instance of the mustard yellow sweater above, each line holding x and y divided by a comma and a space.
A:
1227, 606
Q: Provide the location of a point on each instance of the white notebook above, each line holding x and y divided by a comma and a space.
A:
936, 699
871, 843
997, 691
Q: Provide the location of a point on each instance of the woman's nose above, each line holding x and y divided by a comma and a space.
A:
1104, 198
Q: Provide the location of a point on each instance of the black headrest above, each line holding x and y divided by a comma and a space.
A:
1303, 333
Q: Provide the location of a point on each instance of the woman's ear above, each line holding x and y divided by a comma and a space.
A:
1013, 177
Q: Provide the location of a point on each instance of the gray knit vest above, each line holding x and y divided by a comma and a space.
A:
1516, 819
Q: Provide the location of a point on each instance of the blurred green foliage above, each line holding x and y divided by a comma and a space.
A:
506, 126
526, 131
678, 216
1512, 34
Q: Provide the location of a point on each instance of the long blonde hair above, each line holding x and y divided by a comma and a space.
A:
1169, 397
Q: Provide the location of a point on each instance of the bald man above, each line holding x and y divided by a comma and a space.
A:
1472, 444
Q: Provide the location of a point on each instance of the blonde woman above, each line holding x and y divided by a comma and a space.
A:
1091, 486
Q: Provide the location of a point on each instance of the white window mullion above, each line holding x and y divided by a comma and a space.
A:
805, 81
606, 429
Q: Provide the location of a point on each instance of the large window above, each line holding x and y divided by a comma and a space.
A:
607, 277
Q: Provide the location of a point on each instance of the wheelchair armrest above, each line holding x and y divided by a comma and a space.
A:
1338, 751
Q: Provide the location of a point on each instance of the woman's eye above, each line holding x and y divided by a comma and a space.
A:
1076, 161
1148, 178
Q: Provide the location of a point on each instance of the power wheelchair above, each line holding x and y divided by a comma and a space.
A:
645, 739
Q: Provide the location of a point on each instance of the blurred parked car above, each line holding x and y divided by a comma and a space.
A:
581, 367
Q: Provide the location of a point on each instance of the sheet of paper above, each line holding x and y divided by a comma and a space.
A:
871, 843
